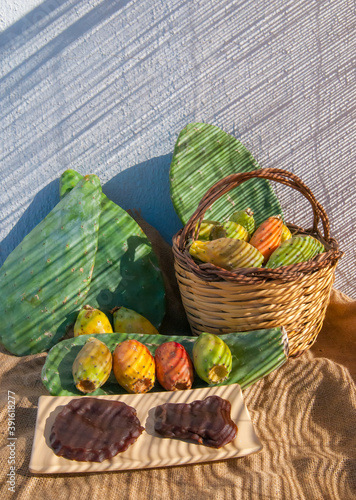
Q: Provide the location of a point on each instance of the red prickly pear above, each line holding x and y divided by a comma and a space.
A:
174, 368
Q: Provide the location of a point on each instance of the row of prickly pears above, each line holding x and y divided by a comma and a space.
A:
238, 243
91, 321
136, 369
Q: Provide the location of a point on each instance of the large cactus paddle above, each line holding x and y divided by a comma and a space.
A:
126, 271
46, 279
203, 155
255, 354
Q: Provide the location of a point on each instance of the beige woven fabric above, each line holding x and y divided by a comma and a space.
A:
304, 414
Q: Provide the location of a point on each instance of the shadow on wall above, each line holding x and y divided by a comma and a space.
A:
139, 187
128, 189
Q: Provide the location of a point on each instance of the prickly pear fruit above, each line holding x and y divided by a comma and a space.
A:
92, 366
295, 250
68, 180
235, 231
286, 234
212, 358
134, 366
174, 368
245, 219
90, 321
209, 229
267, 236
129, 321
227, 253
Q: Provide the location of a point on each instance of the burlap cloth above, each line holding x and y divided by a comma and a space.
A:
304, 414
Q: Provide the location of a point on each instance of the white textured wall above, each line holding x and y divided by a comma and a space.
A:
105, 87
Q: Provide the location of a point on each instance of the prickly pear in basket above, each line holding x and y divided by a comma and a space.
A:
245, 219
297, 249
267, 236
227, 253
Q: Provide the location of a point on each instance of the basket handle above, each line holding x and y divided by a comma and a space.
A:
225, 185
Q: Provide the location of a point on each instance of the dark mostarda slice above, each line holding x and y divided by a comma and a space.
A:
208, 422
93, 429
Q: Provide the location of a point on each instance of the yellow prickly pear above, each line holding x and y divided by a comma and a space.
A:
92, 366
90, 321
227, 253
236, 231
286, 234
134, 366
129, 321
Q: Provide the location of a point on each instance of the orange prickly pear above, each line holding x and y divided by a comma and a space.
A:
134, 366
267, 236
227, 253
174, 368
92, 366
90, 321
129, 321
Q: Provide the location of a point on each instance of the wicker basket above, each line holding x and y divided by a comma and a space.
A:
295, 296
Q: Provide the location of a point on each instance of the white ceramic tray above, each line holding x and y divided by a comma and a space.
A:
150, 450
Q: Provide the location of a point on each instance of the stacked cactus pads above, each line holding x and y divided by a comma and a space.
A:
271, 244
86, 251
205, 154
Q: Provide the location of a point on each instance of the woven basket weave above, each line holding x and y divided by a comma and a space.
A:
295, 296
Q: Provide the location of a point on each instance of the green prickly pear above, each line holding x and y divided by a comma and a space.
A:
90, 321
245, 219
209, 230
295, 250
92, 366
174, 368
235, 231
134, 366
212, 358
227, 253
129, 321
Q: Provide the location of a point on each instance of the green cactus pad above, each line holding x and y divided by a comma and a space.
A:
126, 271
46, 279
203, 155
255, 354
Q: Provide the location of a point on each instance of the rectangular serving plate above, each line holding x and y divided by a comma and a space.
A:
150, 450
